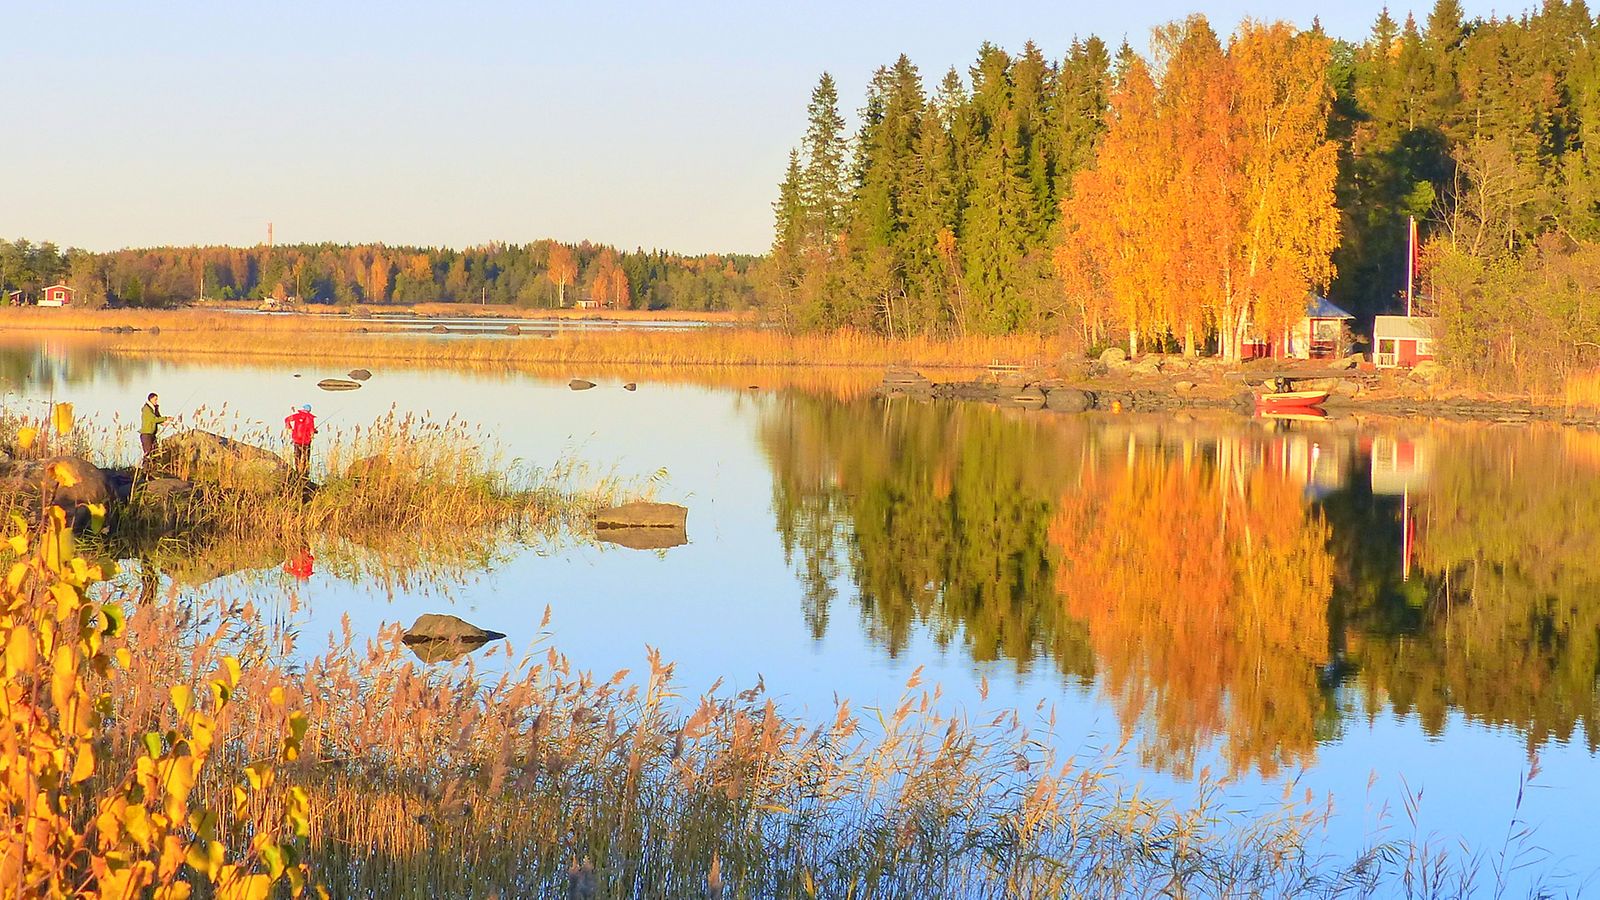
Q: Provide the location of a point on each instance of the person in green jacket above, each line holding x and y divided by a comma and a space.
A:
150, 422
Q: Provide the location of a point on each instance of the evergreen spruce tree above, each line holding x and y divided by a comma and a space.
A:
822, 182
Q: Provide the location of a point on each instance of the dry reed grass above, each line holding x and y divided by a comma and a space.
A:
528, 777
335, 338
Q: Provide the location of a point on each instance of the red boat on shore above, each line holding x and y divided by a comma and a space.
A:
1290, 400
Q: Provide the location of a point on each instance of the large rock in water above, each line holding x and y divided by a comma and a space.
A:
644, 538
1072, 400
200, 456
642, 514
1031, 397
904, 378
338, 384
440, 627
580, 384
359, 374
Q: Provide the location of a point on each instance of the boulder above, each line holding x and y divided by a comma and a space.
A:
440, 627
1075, 368
439, 329
359, 374
580, 384
1031, 396
1072, 400
1347, 363
1347, 387
513, 329
630, 386
166, 490
1428, 371
1315, 384
904, 378
1176, 364
338, 384
643, 514
368, 467
1113, 356
1147, 365
71, 481
201, 456
644, 538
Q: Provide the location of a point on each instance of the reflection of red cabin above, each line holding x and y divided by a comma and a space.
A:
57, 295
1402, 340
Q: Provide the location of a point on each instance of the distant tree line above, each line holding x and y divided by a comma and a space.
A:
540, 274
1169, 198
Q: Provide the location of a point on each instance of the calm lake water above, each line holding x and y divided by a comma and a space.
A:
1365, 608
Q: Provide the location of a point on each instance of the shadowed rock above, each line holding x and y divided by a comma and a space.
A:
70, 481
642, 514
643, 537
166, 490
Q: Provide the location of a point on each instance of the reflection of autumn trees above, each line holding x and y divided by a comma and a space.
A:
1507, 627
1208, 598
939, 515
1205, 589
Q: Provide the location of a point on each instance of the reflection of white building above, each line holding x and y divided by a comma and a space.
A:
1400, 464
1315, 461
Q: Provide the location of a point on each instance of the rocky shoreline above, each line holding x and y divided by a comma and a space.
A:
1155, 383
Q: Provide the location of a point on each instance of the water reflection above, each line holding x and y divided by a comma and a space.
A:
1227, 585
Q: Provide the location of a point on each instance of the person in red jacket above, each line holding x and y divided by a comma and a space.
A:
302, 425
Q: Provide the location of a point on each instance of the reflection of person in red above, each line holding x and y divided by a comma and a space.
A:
300, 565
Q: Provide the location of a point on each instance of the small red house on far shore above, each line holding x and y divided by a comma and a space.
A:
58, 294
1403, 340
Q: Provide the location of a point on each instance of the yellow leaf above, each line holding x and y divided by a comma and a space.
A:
26, 435
21, 654
83, 767
61, 417
182, 699
63, 475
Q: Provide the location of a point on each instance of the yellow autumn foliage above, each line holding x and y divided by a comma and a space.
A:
73, 821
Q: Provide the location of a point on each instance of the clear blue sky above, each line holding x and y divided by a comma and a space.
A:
665, 125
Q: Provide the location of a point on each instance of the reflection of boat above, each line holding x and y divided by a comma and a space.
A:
1295, 413
1290, 399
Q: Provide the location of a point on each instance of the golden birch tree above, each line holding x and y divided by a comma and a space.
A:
1287, 167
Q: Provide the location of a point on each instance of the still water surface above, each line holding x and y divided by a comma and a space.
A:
1364, 608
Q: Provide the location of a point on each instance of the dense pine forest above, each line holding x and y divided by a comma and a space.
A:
541, 274
1176, 196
